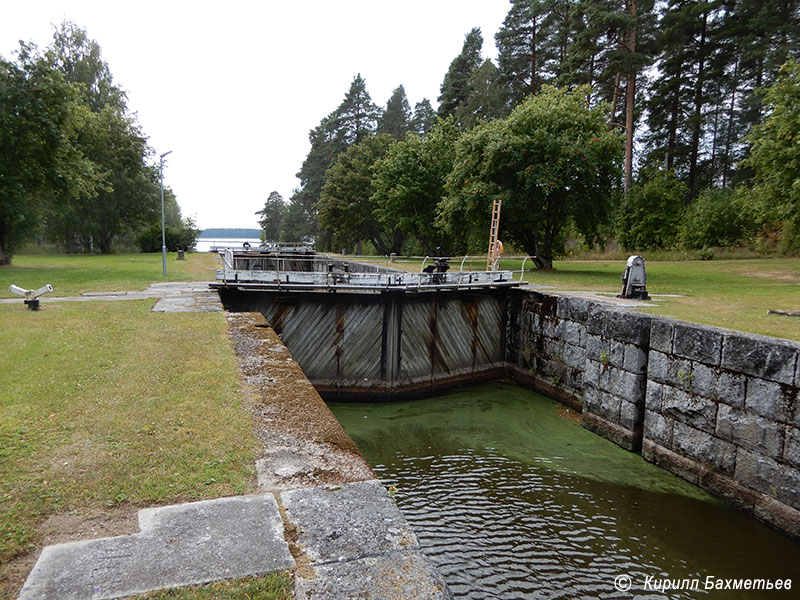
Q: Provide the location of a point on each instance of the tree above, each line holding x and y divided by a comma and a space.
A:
271, 217
424, 118
39, 161
80, 59
486, 98
552, 161
455, 86
353, 120
110, 137
651, 213
409, 184
395, 120
522, 49
347, 207
775, 158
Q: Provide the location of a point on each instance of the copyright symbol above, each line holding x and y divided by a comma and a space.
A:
623, 582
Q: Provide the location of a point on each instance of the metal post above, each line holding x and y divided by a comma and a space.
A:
163, 230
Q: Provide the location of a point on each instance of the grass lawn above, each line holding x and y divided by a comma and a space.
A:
276, 586
105, 405
732, 294
71, 275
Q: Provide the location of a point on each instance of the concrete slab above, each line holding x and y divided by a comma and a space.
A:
396, 576
178, 545
350, 522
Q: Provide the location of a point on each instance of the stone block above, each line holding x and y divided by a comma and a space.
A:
770, 400
762, 357
597, 348
698, 343
704, 448
631, 416
704, 380
574, 356
602, 404
730, 388
178, 545
400, 575
661, 334
553, 328
616, 353
654, 392
346, 523
628, 326
596, 320
591, 373
575, 333
750, 431
635, 360
696, 411
658, 367
791, 450
574, 379
788, 486
756, 471
658, 428
576, 309
627, 386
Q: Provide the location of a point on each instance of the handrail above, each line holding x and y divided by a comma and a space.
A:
522, 268
461, 268
423, 264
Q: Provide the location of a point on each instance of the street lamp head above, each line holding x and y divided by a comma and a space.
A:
165, 153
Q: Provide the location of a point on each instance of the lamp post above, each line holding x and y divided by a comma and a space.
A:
163, 230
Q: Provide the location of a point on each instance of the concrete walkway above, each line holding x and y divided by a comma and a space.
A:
171, 296
351, 541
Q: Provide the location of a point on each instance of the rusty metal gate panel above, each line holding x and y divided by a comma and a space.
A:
360, 348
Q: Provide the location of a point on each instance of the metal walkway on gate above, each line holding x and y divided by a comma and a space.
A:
282, 271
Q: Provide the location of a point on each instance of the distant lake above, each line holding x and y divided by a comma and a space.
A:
205, 244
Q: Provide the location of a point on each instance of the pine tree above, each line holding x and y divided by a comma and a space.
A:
486, 99
455, 86
395, 120
271, 216
524, 51
354, 120
424, 118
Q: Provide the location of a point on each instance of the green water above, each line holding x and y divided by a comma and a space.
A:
511, 499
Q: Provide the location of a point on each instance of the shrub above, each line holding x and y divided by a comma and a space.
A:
714, 219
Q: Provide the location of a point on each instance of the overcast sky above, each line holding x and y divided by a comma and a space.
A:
233, 88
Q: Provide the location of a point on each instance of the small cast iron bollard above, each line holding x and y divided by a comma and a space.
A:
31, 296
634, 279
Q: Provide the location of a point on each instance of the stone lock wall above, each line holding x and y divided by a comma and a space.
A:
546, 344
717, 408
721, 410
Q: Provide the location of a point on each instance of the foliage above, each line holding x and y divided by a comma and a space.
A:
649, 217
775, 159
271, 217
455, 86
486, 98
552, 161
180, 237
424, 118
714, 219
409, 184
347, 207
39, 161
395, 120
353, 120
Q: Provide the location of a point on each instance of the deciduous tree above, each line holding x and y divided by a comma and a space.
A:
552, 161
